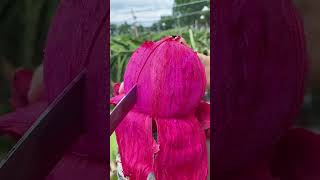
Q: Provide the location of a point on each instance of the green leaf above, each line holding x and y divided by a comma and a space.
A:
113, 147
193, 44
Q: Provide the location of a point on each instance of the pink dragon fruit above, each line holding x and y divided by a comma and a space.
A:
171, 83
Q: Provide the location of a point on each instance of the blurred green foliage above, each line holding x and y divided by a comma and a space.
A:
5, 145
24, 25
195, 7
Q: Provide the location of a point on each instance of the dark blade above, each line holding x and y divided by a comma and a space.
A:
44, 144
122, 108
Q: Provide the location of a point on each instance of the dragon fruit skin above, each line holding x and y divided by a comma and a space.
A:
259, 76
171, 83
170, 77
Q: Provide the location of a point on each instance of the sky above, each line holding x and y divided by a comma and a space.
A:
146, 11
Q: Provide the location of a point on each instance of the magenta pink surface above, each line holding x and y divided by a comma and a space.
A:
25, 113
16, 123
297, 156
20, 87
170, 78
77, 39
259, 75
171, 84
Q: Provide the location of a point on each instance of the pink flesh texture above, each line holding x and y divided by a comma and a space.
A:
183, 152
135, 142
259, 76
297, 156
20, 87
203, 115
256, 173
171, 83
77, 39
16, 123
71, 167
170, 78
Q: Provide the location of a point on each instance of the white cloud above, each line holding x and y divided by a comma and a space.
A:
146, 11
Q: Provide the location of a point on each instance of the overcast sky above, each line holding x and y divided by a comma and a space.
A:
146, 11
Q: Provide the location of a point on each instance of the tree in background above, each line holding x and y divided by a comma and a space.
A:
154, 27
124, 28
113, 29
167, 22
189, 12
140, 28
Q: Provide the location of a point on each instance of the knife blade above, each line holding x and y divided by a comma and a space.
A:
122, 108
44, 144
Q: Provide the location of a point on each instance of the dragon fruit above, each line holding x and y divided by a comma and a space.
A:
171, 83
75, 41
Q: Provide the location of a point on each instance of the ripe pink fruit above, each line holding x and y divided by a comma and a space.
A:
171, 83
